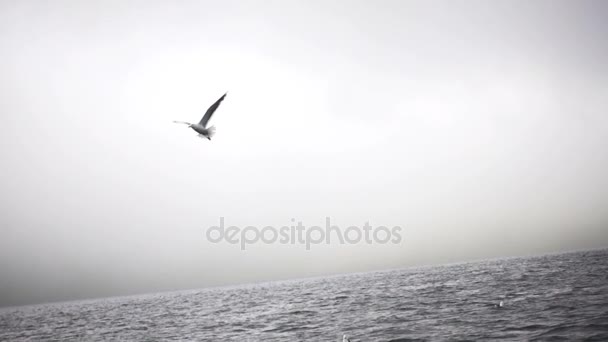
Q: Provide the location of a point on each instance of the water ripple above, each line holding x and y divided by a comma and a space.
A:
557, 297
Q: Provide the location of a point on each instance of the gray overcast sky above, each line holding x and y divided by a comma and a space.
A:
480, 127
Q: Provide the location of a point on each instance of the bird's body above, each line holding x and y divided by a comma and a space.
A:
203, 131
201, 127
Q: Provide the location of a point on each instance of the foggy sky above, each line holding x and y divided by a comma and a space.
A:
479, 127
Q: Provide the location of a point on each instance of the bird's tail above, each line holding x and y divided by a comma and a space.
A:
211, 131
182, 122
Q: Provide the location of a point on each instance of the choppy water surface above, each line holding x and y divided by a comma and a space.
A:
546, 298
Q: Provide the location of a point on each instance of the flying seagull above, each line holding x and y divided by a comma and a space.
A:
201, 127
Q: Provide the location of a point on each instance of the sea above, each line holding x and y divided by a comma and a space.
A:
561, 297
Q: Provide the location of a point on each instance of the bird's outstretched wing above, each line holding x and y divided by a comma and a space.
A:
182, 122
210, 111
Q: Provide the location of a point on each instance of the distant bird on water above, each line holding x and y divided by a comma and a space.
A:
201, 127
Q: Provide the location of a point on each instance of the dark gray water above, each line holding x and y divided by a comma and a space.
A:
556, 297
